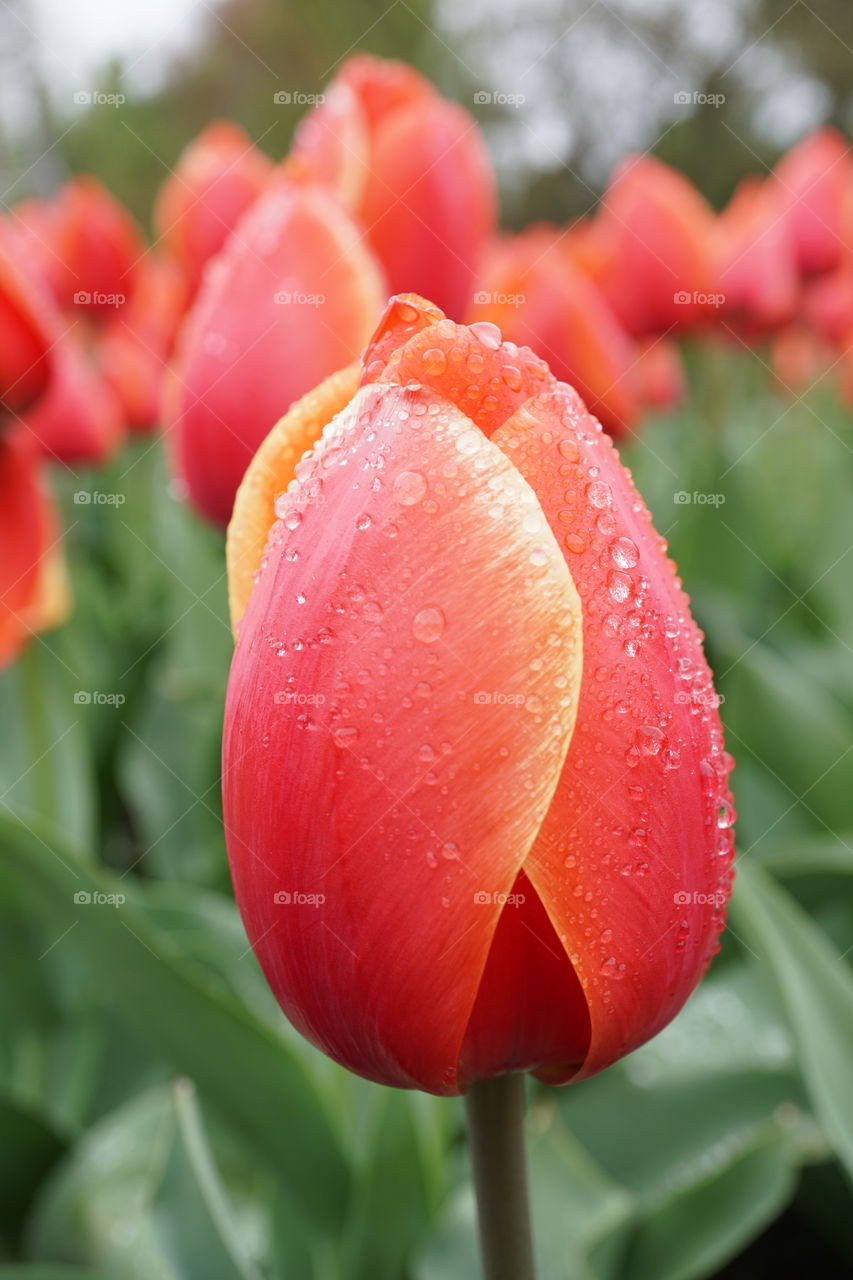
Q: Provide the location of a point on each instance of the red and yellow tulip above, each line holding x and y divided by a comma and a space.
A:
475, 788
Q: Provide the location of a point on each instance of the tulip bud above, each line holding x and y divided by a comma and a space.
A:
412, 167
289, 299
655, 245
813, 181
474, 783
532, 290
33, 589
217, 179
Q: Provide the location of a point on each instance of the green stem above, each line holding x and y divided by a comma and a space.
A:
495, 1111
35, 703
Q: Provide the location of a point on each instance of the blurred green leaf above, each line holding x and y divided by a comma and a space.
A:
45, 766
817, 990
254, 1077
191, 1215
29, 1148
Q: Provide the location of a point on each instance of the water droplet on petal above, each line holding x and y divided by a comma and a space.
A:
428, 624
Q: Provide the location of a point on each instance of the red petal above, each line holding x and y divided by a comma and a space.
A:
409, 655
244, 357
217, 178
28, 526
631, 864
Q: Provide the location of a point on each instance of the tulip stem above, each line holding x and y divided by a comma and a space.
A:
495, 1112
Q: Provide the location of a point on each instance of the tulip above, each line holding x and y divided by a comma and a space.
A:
799, 358
660, 374
293, 296
654, 248
412, 168
814, 180
756, 258
25, 337
217, 179
78, 419
33, 592
99, 246
536, 295
475, 791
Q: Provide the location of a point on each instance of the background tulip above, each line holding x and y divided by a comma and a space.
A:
413, 169
655, 247
533, 291
217, 179
473, 774
293, 296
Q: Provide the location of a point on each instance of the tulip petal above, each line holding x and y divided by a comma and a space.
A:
292, 297
429, 201
411, 654
633, 861
269, 474
467, 364
28, 525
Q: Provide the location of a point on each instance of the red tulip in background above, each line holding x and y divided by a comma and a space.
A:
292, 297
814, 183
217, 179
475, 790
412, 168
32, 588
536, 295
654, 239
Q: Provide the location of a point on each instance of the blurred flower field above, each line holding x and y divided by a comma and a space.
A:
159, 1117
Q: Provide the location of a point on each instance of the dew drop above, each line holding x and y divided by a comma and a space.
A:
624, 553
434, 360
409, 488
428, 624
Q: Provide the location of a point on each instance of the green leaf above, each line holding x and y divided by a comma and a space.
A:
816, 988
191, 1214
29, 1147
45, 766
254, 1077
690, 1235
